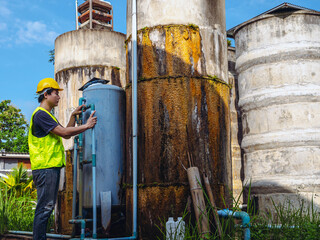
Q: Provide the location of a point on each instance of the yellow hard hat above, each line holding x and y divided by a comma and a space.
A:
48, 83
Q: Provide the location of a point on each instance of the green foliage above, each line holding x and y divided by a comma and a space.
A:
13, 129
17, 201
51, 56
18, 182
16, 213
288, 222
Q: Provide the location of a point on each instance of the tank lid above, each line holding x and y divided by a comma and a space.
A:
93, 81
282, 8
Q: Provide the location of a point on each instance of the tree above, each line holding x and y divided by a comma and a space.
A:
13, 129
51, 56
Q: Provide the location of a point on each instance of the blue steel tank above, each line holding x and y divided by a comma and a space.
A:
109, 102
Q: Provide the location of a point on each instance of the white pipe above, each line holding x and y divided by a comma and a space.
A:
77, 24
90, 13
134, 114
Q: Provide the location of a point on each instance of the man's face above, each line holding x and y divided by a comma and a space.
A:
53, 98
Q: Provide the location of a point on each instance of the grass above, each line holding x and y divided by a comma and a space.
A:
283, 221
16, 212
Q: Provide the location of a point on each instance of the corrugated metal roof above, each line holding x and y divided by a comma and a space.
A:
285, 5
280, 8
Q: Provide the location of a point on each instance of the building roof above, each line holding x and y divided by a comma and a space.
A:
282, 8
13, 155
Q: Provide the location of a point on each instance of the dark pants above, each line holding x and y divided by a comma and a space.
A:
47, 184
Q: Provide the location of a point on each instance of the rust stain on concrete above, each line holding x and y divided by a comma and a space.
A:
64, 201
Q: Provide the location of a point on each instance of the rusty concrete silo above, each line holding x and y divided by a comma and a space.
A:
278, 61
81, 55
183, 105
236, 129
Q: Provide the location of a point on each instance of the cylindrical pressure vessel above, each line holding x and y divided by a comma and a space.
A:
278, 61
183, 106
82, 55
109, 102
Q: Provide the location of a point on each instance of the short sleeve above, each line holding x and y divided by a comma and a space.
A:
43, 124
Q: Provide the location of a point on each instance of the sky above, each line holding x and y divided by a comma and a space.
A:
28, 29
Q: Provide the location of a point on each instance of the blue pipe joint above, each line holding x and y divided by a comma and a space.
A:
239, 215
94, 162
81, 100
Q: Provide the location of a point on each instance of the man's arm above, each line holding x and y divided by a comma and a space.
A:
72, 131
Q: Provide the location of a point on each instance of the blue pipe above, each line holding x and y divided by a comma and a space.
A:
75, 167
278, 226
134, 115
94, 198
121, 238
239, 215
83, 225
81, 102
49, 235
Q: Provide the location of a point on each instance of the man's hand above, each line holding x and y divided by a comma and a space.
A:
78, 110
91, 120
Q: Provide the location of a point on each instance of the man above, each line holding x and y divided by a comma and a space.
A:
47, 151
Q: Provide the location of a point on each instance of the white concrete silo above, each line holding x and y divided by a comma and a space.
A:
81, 55
278, 61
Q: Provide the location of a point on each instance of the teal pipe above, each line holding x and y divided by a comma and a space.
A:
81, 102
94, 197
49, 235
134, 116
121, 238
75, 167
83, 226
279, 226
239, 215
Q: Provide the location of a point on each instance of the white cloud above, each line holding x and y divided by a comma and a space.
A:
35, 32
3, 26
4, 11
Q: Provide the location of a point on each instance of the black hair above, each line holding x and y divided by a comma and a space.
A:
41, 97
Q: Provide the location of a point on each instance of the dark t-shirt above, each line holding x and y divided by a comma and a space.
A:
42, 124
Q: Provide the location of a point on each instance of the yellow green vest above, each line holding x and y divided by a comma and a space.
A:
45, 152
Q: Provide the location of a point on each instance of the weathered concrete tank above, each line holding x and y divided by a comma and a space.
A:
79, 56
183, 106
82, 55
278, 61
236, 129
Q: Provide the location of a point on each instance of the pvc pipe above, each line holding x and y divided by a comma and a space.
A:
94, 198
134, 115
278, 226
90, 13
83, 226
75, 166
240, 215
49, 235
81, 102
77, 24
121, 238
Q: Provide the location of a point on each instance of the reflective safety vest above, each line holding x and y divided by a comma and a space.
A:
45, 152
